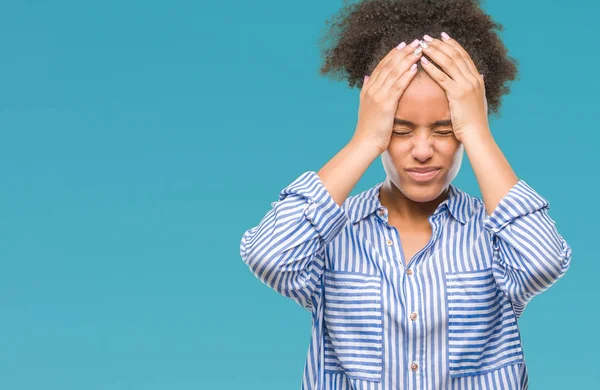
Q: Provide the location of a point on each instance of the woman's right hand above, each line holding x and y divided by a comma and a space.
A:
381, 92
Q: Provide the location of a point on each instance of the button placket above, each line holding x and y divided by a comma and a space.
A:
412, 298
393, 252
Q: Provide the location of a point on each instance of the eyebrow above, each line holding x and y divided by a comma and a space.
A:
443, 122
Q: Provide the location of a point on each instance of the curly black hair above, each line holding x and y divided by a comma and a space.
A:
362, 33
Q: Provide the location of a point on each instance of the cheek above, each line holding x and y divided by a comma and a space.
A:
397, 154
399, 147
454, 146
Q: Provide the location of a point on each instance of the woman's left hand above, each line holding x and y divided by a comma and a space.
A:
462, 82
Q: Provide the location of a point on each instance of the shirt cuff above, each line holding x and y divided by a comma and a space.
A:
321, 210
520, 201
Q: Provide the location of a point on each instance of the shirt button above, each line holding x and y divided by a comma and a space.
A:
381, 212
409, 271
389, 242
414, 366
413, 316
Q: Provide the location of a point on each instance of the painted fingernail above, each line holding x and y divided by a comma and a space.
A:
424, 60
445, 36
401, 46
414, 43
424, 45
427, 38
418, 51
413, 67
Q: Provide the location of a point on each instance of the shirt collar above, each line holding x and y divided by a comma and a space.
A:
458, 203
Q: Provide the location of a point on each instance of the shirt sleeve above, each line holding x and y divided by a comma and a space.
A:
530, 255
286, 250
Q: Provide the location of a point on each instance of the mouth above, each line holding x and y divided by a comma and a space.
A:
423, 176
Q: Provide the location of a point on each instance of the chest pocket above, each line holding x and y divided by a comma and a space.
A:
482, 329
353, 324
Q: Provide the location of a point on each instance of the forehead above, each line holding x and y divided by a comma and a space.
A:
424, 101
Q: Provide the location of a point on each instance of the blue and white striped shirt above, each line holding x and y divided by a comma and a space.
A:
445, 320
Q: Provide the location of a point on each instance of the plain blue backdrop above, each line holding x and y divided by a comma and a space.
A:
140, 139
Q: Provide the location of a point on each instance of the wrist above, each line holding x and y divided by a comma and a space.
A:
477, 138
368, 145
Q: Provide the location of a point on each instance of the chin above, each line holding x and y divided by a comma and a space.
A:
422, 192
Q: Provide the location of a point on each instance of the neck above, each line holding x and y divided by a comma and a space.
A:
403, 208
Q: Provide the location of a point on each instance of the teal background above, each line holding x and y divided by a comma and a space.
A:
140, 139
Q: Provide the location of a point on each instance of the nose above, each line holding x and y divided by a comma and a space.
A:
422, 149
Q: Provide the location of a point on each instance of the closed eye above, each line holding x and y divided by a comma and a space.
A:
408, 132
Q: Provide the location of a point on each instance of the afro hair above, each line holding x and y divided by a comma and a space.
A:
362, 33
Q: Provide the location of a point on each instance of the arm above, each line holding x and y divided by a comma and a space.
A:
286, 251
529, 253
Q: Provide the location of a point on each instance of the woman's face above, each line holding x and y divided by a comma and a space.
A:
418, 142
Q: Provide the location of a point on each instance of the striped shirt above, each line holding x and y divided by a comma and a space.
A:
445, 320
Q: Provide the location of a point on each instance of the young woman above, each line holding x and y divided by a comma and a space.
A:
413, 283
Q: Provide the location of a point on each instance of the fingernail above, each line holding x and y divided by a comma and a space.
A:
414, 43
427, 38
401, 46
418, 51
445, 36
413, 67
366, 78
424, 60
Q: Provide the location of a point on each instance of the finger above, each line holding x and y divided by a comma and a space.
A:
365, 82
397, 89
414, 44
393, 86
450, 60
397, 67
378, 77
439, 76
451, 52
378, 67
457, 46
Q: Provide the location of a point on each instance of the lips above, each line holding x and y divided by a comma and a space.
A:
423, 170
424, 174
